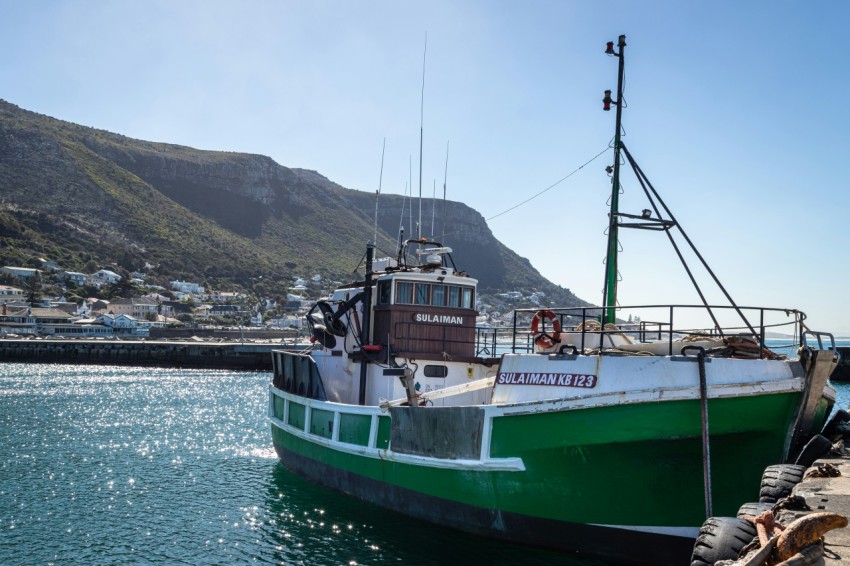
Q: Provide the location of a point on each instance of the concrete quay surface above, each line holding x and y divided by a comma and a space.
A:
830, 494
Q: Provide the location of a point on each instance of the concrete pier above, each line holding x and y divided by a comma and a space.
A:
827, 494
170, 353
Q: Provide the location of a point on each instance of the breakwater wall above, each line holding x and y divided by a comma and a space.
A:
228, 334
211, 355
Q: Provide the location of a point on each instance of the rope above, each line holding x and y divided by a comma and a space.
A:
552, 186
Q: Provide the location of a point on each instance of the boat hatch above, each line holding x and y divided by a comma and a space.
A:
432, 432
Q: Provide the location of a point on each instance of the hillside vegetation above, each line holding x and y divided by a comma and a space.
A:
84, 197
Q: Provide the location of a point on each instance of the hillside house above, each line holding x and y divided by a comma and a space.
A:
186, 287
97, 306
105, 277
226, 310
9, 294
20, 272
48, 265
224, 296
139, 308
83, 328
75, 277
123, 324
26, 320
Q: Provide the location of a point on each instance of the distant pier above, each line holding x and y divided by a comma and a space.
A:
159, 353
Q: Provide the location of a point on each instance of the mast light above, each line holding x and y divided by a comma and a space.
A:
606, 101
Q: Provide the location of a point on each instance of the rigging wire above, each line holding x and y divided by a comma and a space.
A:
553, 185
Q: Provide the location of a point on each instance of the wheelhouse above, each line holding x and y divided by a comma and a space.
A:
426, 311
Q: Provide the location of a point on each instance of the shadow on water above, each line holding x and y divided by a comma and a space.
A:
311, 525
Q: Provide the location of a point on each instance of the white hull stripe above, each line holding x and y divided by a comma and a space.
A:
792, 385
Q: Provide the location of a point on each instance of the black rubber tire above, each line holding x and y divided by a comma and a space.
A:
837, 425
778, 481
815, 448
754, 509
721, 538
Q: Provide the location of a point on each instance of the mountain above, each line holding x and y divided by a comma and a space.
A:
84, 197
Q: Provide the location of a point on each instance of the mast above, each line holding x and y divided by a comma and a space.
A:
366, 323
609, 296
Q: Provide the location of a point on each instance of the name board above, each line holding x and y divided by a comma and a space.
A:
437, 318
557, 379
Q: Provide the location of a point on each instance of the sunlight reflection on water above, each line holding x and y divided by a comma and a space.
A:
107, 464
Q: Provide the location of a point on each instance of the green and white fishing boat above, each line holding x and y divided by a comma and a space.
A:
572, 431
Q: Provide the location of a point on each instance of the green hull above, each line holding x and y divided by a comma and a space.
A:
633, 469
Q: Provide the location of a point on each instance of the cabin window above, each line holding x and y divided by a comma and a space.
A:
422, 292
467, 298
454, 297
384, 292
404, 293
438, 296
436, 371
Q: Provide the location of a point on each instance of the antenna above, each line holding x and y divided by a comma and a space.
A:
401, 219
378, 193
410, 196
443, 207
433, 210
421, 122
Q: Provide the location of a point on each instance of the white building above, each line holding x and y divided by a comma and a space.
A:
286, 322
140, 308
104, 276
123, 324
20, 272
75, 277
186, 287
10, 294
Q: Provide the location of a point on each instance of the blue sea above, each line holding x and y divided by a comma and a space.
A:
102, 465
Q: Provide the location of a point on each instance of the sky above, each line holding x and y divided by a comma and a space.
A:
732, 109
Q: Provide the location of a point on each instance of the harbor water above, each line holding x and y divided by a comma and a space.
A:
104, 464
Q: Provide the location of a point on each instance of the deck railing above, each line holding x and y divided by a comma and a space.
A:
654, 323
641, 324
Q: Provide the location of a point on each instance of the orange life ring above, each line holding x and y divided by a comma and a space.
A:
543, 339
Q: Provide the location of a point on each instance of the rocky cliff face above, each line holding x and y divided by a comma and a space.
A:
76, 193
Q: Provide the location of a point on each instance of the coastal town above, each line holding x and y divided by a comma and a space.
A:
48, 301
36, 302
